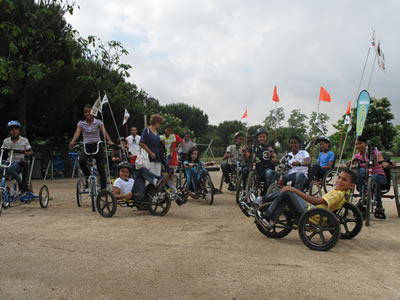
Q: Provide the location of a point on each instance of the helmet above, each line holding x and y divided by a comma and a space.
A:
238, 134
125, 165
261, 130
324, 139
13, 123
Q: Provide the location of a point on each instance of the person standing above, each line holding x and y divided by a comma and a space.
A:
133, 144
170, 139
90, 128
151, 142
188, 144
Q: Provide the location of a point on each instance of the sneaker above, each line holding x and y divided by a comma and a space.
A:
380, 213
231, 187
268, 223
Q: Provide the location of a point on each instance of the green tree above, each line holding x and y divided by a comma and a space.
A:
323, 119
297, 123
269, 121
227, 129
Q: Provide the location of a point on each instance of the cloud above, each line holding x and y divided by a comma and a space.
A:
225, 55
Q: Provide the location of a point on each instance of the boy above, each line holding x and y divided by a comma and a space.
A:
17, 142
233, 154
168, 139
300, 202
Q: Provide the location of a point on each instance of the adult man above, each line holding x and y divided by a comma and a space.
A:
133, 143
233, 155
18, 143
187, 146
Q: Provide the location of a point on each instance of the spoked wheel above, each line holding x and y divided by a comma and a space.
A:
208, 190
44, 196
159, 202
329, 180
368, 197
396, 194
106, 203
319, 229
173, 180
79, 192
350, 219
93, 189
281, 228
252, 186
273, 187
240, 192
315, 189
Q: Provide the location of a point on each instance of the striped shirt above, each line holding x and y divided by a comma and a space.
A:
21, 144
91, 133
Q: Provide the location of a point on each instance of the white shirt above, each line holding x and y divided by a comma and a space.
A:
300, 157
133, 144
21, 144
125, 187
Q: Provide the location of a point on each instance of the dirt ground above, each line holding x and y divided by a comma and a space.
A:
195, 251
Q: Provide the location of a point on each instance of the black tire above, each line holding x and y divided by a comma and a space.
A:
368, 196
93, 189
208, 190
396, 194
321, 233
281, 229
315, 189
273, 187
252, 186
240, 192
159, 202
350, 219
106, 204
44, 196
329, 180
79, 193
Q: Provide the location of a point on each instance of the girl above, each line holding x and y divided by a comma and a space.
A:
193, 172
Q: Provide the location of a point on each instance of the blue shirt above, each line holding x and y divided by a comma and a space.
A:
193, 170
153, 142
325, 158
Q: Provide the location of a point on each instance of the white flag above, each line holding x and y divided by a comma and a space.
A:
347, 120
318, 124
126, 117
104, 101
96, 107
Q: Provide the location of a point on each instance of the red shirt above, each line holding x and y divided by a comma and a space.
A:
174, 154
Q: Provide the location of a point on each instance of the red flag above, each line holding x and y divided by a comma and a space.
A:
244, 115
275, 96
324, 95
348, 111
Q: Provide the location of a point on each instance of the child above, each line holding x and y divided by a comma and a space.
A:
233, 154
192, 169
300, 202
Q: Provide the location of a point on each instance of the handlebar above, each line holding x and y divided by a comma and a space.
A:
84, 147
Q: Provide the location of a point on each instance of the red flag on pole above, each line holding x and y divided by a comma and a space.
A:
324, 95
244, 115
275, 96
348, 111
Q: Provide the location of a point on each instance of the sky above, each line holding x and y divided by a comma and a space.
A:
225, 55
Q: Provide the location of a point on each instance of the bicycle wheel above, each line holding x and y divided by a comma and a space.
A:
208, 190
106, 204
329, 180
273, 187
159, 203
92, 188
350, 219
368, 199
44, 196
240, 192
315, 189
396, 195
319, 229
79, 192
281, 228
252, 186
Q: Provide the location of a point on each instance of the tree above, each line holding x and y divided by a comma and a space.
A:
296, 123
227, 129
269, 121
323, 119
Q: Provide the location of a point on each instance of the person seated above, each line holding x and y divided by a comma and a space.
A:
299, 162
20, 144
300, 202
378, 174
326, 160
127, 188
265, 158
193, 172
120, 154
233, 155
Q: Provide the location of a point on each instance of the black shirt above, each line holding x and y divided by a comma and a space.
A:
263, 157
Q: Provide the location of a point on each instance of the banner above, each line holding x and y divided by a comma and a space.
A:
362, 111
96, 107
126, 117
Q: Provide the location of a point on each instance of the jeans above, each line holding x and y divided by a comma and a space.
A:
14, 170
298, 180
226, 169
193, 179
282, 200
83, 158
139, 187
270, 176
378, 179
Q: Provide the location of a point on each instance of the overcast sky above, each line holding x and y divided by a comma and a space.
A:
224, 55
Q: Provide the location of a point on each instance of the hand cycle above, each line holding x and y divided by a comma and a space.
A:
9, 192
281, 170
90, 186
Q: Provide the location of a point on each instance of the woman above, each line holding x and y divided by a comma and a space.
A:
378, 174
91, 128
151, 142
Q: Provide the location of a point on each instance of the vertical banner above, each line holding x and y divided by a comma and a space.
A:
362, 111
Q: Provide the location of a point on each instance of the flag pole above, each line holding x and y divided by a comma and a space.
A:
315, 132
276, 120
105, 143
